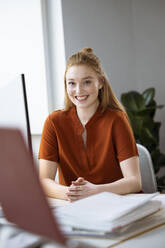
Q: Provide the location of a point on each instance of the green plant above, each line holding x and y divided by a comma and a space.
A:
141, 109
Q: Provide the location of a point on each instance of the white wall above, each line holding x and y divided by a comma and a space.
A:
22, 51
129, 38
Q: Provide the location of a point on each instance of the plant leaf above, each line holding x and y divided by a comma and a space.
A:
147, 137
133, 101
136, 123
147, 111
141, 109
148, 95
155, 131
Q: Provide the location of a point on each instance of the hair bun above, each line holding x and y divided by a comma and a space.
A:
87, 50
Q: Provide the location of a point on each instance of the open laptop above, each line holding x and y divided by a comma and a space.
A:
21, 195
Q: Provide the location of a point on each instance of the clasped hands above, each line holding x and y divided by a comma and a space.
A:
80, 188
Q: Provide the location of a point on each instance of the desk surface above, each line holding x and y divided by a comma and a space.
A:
153, 237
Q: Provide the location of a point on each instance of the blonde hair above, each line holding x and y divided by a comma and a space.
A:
106, 96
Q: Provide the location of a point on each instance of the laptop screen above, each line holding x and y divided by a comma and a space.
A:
21, 194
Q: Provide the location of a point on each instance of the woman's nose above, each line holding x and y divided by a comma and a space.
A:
78, 89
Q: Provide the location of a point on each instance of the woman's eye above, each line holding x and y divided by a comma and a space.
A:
71, 83
87, 82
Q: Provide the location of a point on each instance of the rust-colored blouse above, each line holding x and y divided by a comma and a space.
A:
109, 141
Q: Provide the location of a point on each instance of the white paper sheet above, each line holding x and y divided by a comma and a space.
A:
106, 211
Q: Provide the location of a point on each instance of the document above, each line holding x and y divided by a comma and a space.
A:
106, 212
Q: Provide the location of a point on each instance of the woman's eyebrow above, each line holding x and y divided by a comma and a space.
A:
72, 79
89, 77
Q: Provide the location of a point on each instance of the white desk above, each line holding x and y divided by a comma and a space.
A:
153, 238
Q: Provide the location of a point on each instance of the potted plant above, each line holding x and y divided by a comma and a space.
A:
141, 109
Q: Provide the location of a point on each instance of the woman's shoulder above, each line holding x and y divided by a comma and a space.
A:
58, 115
115, 114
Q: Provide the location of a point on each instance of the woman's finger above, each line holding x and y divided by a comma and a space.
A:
79, 182
80, 179
73, 196
75, 188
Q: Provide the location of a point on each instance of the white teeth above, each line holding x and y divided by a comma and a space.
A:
81, 97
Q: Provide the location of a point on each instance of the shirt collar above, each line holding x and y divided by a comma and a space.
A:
77, 123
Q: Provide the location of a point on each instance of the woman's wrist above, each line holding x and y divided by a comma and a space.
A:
64, 193
98, 189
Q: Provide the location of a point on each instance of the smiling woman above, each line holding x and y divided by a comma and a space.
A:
90, 141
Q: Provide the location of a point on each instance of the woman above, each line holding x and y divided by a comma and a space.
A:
90, 141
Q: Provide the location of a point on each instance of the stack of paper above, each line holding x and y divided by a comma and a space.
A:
106, 212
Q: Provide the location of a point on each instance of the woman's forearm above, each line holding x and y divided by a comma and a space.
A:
53, 189
122, 186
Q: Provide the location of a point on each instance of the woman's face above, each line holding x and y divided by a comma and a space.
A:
82, 86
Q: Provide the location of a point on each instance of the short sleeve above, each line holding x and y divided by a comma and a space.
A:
123, 138
48, 146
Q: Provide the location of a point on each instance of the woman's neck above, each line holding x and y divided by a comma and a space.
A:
85, 114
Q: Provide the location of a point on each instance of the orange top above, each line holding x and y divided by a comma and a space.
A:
109, 141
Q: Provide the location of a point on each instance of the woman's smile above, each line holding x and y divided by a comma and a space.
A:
81, 98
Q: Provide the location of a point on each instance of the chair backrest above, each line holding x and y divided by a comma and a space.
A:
149, 184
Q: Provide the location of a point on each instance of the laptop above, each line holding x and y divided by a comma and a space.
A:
21, 195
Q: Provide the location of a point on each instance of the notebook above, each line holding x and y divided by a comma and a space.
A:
107, 213
21, 195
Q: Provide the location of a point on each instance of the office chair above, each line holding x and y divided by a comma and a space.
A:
149, 184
